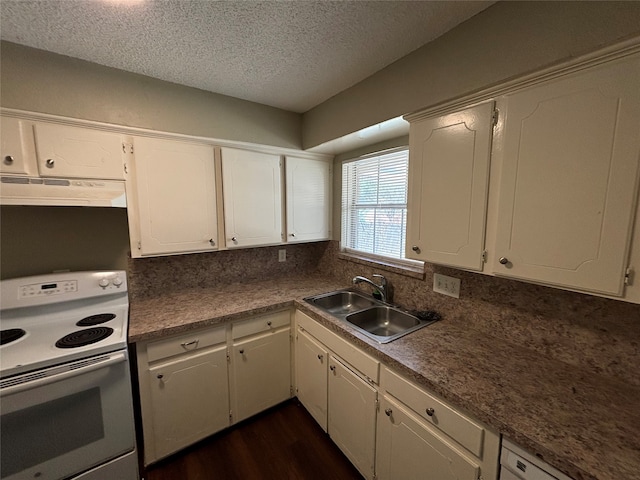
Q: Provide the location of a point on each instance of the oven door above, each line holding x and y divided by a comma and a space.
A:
64, 420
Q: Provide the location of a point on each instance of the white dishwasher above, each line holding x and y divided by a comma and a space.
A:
517, 464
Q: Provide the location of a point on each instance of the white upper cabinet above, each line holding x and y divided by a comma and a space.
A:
17, 154
252, 198
569, 175
308, 194
65, 151
172, 196
449, 158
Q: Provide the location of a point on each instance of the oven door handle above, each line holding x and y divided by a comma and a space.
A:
71, 370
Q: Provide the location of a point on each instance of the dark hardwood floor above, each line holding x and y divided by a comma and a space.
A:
284, 442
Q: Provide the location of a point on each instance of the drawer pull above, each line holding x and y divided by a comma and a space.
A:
242, 351
388, 412
8, 160
160, 376
332, 368
269, 323
430, 412
186, 345
320, 357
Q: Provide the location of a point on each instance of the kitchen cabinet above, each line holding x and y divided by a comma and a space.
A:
17, 151
260, 364
184, 390
421, 436
311, 376
449, 159
75, 152
352, 415
252, 198
344, 396
569, 176
308, 199
172, 198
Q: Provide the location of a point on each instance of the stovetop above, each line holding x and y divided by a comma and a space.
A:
64, 317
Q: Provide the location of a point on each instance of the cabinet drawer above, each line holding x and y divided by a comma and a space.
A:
355, 357
196, 340
462, 429
260, 324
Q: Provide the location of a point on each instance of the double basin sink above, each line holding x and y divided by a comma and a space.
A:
375, 319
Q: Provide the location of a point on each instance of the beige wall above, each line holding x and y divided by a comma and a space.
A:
504, 41
39, 81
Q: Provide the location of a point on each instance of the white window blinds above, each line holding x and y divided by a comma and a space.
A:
374, 204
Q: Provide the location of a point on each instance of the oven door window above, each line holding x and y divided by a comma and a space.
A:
66, 426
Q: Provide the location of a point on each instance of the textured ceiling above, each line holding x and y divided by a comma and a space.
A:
288, 54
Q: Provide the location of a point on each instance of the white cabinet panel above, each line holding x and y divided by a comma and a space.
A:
78, 152
408, 449
448, 187
189, 400
311, 376
569, 174
17, 153
175, 195
352, 416
261, 373
308, 195
252, 198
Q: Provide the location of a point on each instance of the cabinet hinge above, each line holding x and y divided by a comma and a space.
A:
484, 256
291, 392
127, 147
494, 117
231, 416
628, 276
139, 245
126, 170
228, 356
377, 405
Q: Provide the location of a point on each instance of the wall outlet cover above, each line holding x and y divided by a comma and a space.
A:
282, 255
446, 285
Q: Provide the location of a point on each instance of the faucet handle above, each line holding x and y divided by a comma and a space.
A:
383, 280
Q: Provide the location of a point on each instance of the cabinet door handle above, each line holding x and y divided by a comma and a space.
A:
320, 357
503, 260
388, 412
332, 368
160, 376
50, 162
212, 242
234, 239
269, 323
416, 248
189, 344
430, 411
8, 160
241, 351
292, 235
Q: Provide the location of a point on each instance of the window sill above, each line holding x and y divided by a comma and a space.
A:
388, 264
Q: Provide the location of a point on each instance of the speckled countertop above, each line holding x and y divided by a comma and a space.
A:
586, 425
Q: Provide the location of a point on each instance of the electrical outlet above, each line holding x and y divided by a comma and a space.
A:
282, 255
446, 285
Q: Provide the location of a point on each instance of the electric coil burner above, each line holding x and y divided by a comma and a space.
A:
11, 335
66, 407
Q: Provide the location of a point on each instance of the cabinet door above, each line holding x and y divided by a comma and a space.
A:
567, 193
448, 187
409, 449
352, 416
17, 147
175, 196
78, 152
261, 373
308, 199
189, 399
252, 188
311, 376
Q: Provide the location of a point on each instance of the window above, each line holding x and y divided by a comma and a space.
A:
374, 204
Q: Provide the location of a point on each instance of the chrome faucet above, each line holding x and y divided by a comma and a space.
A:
383, 288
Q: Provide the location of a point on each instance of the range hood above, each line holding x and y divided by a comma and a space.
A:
22, 190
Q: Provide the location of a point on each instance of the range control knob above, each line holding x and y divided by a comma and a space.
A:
104, 282
117, 281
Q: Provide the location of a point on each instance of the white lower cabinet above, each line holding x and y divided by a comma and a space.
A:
408, 449
311, 376
261, 366
352, 416
189, 399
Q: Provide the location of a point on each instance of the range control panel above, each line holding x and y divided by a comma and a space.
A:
53, 288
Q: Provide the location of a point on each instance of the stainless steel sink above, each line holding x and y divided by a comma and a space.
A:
373, 318
342, 302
